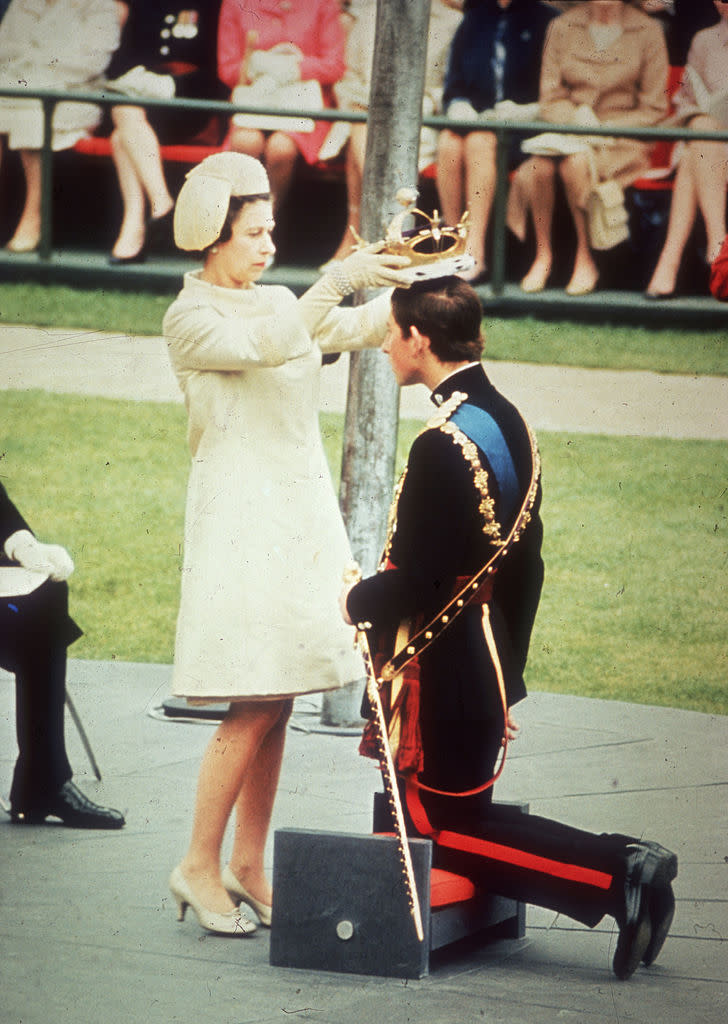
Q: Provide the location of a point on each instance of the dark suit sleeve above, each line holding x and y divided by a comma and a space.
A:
438, 537
10, 519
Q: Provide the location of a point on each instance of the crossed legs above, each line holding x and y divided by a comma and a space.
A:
700, 186
138, 162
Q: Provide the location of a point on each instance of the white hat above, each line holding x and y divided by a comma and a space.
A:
203, 201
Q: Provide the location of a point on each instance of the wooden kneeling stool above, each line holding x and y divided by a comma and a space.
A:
340, 904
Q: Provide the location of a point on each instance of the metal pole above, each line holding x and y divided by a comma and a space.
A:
372, 413
503, 137
46, 180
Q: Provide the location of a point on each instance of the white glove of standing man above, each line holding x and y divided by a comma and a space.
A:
51, 559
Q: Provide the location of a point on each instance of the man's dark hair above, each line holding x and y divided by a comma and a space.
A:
447, 310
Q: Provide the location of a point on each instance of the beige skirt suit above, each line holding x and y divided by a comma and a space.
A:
624, 84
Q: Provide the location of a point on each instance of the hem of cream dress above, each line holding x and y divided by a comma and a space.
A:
241, 699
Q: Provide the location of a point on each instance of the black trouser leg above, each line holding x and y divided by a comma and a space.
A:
42, 766
35, 631
542, 862
524, 857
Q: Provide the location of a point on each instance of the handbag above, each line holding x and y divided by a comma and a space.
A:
264, 92
606, 215
607, 219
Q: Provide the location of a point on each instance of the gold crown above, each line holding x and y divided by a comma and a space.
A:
431, 243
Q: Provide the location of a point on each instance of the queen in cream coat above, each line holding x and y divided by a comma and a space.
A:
265, 547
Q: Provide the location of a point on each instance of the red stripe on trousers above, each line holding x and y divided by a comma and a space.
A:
530, 861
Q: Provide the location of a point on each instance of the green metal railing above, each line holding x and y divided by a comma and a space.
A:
503, 130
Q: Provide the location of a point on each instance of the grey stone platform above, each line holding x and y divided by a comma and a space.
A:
88, 930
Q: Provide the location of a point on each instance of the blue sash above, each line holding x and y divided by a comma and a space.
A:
482, 429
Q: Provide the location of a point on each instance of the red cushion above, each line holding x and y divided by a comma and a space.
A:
447, 888
95, 145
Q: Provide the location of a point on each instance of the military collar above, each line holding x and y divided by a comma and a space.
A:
457, 381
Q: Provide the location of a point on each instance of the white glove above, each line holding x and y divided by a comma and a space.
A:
283, 67
461, 110
51, 559
369, 268
507, 110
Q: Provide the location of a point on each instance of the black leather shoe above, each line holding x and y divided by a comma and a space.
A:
73, 808
662, 911
661, 905
123, 261
650, 869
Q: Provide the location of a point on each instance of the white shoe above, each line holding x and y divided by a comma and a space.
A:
233, 886
232, 923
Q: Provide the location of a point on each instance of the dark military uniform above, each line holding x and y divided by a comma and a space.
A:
451, 516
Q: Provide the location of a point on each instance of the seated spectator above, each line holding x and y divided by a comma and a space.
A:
604, 63
35, 632
289, 54
178, 42
702, 169
352, 93
50, 44
681, 19
495, 57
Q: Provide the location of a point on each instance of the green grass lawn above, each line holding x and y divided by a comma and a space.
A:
634, 606
521, 339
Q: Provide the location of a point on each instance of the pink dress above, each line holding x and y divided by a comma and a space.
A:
314, 26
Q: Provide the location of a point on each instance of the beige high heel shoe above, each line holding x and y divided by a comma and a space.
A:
232, 923
234, 887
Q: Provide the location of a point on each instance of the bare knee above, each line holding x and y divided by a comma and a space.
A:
280, 151
246, 140
126, 119
449, 147
541, 170
261, 716
480, 146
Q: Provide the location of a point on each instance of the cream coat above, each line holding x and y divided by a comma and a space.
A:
624, 84
265, 546
60, 45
